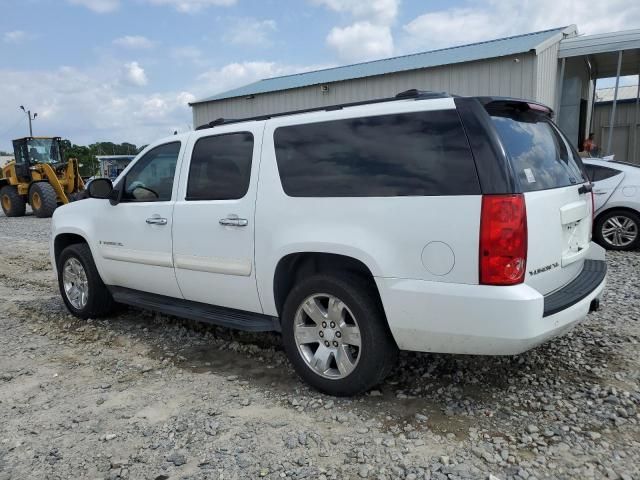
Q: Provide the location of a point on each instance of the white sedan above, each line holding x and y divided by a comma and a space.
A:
616, 188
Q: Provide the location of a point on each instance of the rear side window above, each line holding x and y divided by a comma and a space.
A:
220, 167
539, 155
408, 154
597, 173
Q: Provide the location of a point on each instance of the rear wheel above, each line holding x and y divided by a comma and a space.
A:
81, 287
13, 204
335, 334
43, 199
618, 230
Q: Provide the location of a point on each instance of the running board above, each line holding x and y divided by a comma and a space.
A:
201, 312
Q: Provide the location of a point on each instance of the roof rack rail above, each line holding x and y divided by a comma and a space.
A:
420, 94
414, 94
213, 123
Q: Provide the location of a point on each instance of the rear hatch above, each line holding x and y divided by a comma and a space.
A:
557, 193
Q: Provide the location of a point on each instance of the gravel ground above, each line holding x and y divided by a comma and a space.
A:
145, 396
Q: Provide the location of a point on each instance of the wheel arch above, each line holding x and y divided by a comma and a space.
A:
299, 264
63, 240
617, 208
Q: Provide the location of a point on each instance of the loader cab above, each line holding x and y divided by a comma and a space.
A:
30, 151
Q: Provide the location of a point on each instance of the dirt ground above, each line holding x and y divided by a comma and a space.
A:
145, 396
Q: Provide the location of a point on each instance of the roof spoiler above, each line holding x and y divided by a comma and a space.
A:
517, 104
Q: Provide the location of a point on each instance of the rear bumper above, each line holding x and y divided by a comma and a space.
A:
485, 320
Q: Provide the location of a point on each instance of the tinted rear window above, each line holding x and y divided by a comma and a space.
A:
539, 156
409, 154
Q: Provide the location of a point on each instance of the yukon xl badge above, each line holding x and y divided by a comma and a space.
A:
546, 268
113, 244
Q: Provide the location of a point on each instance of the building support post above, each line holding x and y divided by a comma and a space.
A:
593, 107
635, 158
612, 118
559, 90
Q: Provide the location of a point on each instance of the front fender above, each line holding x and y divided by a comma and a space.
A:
74, 219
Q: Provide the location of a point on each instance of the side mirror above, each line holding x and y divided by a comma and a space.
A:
100, 188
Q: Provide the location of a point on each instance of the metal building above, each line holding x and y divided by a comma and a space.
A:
534, 66
626, 127
112, 165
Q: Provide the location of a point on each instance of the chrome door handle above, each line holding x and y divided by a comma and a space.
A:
156, 221
234, 222
600, 192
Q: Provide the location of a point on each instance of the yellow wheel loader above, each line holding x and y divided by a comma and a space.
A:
39, 176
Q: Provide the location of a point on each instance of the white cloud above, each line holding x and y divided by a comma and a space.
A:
134, 42
16, 36
361, 41
375, 11
193, 6
499, 18
250, 32
88, 105
98, 6
91, 104
369, 36
135, 75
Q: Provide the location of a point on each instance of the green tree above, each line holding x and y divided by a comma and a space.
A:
86, 155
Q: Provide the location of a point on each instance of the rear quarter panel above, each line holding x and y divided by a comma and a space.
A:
388, 234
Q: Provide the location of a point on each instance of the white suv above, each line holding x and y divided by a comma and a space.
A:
422, 222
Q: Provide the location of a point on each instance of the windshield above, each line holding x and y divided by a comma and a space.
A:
44, 150
539, 154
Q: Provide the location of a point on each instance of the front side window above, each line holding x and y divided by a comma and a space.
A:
405, 154
21, 151
220, 167
44, 150
538, 153
151, 178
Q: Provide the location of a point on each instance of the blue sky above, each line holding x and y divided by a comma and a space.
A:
124, 70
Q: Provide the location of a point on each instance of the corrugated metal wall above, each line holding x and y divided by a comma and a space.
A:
513, 76
623, 133
547, 75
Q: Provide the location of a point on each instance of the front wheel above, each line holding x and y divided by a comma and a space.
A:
618, 230
81, 287
336, 336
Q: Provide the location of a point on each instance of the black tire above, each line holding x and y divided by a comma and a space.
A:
99, 302
74, 197
43, 199
378, 352
13, 204
602, 220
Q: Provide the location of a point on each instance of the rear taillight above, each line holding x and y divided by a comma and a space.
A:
503, 240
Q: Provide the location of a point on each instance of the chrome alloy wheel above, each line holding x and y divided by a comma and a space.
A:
327, 335
76, 285
619, 231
